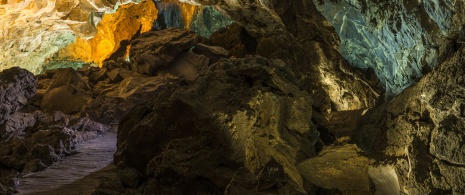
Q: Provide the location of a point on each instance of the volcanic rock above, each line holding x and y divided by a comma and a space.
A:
68, 92
295, 32
422, 128
16, 86
156, 50
237, 113
214, 53
338, 167
400, 40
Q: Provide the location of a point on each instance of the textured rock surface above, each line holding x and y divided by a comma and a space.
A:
115, 100
338, 168
156, 50
235, 39
16, 86
211, 136
240, 125
295, 32
276, 111
422, 128
400, 40
113, 33
32, 140
33, 31
30, 33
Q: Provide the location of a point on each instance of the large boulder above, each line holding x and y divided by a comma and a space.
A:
338, 168
238, 113
16, 86
68, 92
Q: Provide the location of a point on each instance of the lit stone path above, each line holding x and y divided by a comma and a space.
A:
74, 174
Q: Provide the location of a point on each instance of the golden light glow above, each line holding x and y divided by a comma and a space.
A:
187, 11
111, 30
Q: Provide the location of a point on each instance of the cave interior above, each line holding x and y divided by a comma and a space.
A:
323, 97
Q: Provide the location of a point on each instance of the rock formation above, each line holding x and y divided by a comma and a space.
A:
294, 31
203, 20
17, 85
32, 140
270, 104
221, 118
33, 32
421, 131
113, 33
399, 40
42, 35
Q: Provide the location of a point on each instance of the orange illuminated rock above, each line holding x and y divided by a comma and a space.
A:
111, 30
188, 11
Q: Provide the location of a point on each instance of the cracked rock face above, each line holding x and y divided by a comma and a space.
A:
278, 110
399, 40
260, 126
423, 129
16, 86
295, 32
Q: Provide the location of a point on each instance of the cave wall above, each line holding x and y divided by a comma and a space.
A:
43, 35
420, 131
203, 20
113, 32
32, 32
295, 32
269, 107
399, 40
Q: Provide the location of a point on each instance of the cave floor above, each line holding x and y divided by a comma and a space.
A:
75, 174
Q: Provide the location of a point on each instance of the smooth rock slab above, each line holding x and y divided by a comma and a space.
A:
385, 180
338, 167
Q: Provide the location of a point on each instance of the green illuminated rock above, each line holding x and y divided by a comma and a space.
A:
400, 40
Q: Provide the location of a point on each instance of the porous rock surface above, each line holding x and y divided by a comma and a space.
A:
240, 125
409, 145
276, 111
157, 49
295, 32
238, 113
16, 86
210, 123
421, 131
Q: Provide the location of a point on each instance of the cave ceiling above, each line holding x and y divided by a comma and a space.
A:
41, 35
